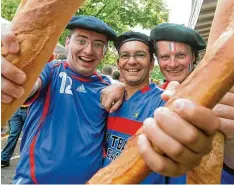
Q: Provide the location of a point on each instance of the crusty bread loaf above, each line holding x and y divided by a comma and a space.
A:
213, 77
223, 20
37, 25
209, 171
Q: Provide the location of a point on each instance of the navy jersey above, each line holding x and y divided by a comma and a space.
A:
64, 132
124, 123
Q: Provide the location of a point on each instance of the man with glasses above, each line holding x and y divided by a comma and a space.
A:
141, 99
64, 132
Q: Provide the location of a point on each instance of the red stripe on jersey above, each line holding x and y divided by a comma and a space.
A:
32, 145
32, 160
123, 125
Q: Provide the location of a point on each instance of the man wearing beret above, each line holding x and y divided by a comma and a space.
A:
141, 99
176, 48
64, 131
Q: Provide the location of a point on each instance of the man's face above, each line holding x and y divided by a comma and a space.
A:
134, 70
86, 49
175, 60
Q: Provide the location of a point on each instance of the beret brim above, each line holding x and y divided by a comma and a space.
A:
93, 24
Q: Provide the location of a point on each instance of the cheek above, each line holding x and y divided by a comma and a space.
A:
162, 66
186, 61
121, 65
74, 49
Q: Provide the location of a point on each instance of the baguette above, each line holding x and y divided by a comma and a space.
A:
206, 85
37, 26
223, 22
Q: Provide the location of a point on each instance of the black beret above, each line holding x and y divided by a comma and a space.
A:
93, 24
178, 33
134, 36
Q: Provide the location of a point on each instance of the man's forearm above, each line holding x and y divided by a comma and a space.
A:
36, 86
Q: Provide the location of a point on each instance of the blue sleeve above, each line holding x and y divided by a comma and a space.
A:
46, 74
227, 175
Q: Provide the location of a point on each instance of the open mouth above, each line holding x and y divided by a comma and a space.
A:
86, 60
175, 71
132, 70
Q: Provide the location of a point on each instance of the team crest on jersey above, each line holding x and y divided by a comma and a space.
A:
81, 89
135, 115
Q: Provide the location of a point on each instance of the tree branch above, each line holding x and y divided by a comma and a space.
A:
100, 10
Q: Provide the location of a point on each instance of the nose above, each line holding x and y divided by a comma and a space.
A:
172, 63
89, 49
132, 60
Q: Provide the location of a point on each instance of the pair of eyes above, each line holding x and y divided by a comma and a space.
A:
95, 44
137, 55
179, 56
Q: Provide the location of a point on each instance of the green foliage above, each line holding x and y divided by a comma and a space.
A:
156, 74
110, 58
9, 8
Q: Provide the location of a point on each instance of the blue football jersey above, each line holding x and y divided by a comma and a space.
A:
64, 132
124, 123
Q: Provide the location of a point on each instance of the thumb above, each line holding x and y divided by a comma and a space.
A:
116, 105
169, 90
9, 41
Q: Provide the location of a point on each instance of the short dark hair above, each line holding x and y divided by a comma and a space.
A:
116, 75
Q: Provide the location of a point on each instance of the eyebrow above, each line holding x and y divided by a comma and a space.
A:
79, 35
135, 51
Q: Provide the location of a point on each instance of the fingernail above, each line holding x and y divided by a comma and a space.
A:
183, 104
168, 92
142, 141
14, 47
19, 92
149, 123
6, 99
160, 110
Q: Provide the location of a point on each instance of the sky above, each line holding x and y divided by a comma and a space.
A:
179, 12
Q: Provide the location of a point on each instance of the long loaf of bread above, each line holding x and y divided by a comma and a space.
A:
37, 25
213, 77
209, 171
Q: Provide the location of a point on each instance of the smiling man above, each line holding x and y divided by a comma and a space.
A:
176, 49
64, 131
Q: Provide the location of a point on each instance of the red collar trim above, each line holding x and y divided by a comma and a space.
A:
66, 65
145, 89
81, 79
164, 86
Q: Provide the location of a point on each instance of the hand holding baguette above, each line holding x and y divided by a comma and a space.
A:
37, 26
